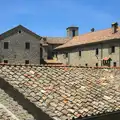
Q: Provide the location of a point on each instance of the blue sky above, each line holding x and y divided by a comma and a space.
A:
52, 17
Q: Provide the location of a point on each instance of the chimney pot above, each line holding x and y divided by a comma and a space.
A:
114, 27
93, 29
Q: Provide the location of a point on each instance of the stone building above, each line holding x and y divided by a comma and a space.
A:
20, 45
96, 48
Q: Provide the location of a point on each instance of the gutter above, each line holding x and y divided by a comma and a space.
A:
57, 48
115, 115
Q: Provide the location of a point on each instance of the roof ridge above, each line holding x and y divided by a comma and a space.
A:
91, 37
14, 29
96, 31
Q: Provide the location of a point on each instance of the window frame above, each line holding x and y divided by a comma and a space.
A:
86, 64
19, 31
80, 53
114, 64
7, 45
112, 49
27, 45
66, 55
6, 61
96, 64
26, 62
97, 51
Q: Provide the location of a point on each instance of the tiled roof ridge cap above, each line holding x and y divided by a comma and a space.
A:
96, 31
56, 36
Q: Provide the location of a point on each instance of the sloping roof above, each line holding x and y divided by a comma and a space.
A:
57, 40
15, 30
11, 110
92, 37
63, 93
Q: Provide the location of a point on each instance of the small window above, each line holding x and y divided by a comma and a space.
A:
86, 64
113, 49
26, 61
66, 55
97, 51
5, 61
96, 64
19, 31
5, 45
27, 45
80, 53
114, 64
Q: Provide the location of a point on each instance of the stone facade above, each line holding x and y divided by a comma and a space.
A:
41, 48
16, 52
88, 54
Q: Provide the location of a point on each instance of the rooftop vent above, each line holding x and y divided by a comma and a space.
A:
93, 29
114, 27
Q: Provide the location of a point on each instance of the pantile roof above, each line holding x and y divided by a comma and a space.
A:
92, 37
64, 92
11, 110
57, 40
6, 115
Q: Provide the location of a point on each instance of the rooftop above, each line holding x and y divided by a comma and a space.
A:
66, 92
57, 40
11, 110
92, 37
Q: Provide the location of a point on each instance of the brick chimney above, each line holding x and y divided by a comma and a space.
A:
114, 27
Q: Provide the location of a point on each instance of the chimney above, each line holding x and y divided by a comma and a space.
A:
93, 29
114, 27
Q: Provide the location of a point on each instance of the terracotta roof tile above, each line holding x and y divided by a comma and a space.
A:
10, 109
63, 93
92, 37
57, 40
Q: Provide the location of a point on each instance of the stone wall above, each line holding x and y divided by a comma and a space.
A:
22, 101
88, 54
17, 52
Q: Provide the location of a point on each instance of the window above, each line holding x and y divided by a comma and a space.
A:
96, 64
5, 45
113, 49
86, 64
97, 51
114, 64
73, 33
19, 31
5, 61
66, 55
26, 61
80, 53
27, 45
